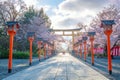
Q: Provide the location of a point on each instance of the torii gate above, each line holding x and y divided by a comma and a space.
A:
73, 34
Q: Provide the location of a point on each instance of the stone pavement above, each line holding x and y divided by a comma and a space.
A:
60, 67
17, 65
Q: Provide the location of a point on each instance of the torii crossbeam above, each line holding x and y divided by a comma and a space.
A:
67, 30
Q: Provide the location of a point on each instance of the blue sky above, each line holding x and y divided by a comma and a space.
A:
50, 2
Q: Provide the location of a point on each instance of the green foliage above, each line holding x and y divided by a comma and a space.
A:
34, 48
31, 12
4, 54
4, 44
20, 42
20, 55
28, 15
23, 55
35, 55
23, 45
16, 54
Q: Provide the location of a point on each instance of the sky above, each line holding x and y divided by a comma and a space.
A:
65, 14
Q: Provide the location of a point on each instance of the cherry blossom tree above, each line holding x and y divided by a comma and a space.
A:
108, 13
11, 10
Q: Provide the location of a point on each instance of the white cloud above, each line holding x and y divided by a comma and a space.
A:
46, 7
73, 5
31, 2
37, 5
70, 12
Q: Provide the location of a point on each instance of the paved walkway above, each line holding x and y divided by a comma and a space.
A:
60, 67
17, 65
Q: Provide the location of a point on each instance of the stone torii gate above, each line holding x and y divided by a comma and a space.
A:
73, 34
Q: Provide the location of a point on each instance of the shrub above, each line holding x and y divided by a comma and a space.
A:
4, 45
4, 54
35, 55
20, 55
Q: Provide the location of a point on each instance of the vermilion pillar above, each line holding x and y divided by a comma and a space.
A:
30, 56
91, 37
77, 51
92, 49
85, 50
12, 27
107, 26
80, 50
50, 50
12, 34
108, 33
85, 47
74, 49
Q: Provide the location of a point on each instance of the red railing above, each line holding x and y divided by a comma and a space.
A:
99, 50
115, 51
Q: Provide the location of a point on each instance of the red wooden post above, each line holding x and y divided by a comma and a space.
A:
81, 50
30, 57
91, 37
108, 33
12, 34
12, 27
92, 49
85, 49
107, 25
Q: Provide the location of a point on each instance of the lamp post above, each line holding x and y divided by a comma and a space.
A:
30, 39
39, 42
12, 27
85, 48
91, 35
107, 26
80, 48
